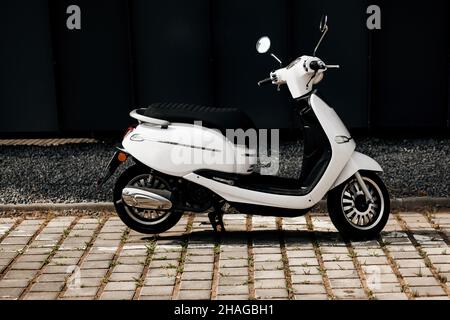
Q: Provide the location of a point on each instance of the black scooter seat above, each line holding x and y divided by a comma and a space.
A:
215, 118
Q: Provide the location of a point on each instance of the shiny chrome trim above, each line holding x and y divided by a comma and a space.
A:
187, 146
139, 138
143, 198
363, 186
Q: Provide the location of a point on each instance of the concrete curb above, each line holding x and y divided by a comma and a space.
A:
406, 204
396, 204
420, 202
87, 206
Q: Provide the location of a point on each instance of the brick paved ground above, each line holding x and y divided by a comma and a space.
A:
258, 258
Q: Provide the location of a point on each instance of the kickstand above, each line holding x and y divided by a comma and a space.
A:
215, 218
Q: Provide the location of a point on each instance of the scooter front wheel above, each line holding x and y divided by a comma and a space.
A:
352, 214
142, 220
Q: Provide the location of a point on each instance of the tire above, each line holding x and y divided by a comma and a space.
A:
135, 218
351, 215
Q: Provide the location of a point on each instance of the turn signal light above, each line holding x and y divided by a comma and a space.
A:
122, 157
342, 139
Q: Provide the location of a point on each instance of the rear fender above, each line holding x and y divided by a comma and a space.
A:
113, 165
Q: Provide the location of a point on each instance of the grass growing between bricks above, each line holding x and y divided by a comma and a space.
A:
42, 255
392, 263
423, 254
362, 277
216, 266
318, 253
150, 246
182, 259
251, 261
12, 228
55, 249
101, 223
285, 260
430, 216
113, 264
25, 247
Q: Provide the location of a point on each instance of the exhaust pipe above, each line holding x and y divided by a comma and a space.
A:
143, 198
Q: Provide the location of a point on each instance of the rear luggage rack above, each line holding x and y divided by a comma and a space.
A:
138, 114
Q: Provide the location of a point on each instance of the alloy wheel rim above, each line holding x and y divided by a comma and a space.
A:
359, 213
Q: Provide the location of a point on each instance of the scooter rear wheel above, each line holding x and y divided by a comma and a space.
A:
141, 220
352, 215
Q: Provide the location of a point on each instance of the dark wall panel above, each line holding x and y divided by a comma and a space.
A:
448, 94
346, 44
130, 53
410, 52
172, 51
93, 69
237, 26
27, 89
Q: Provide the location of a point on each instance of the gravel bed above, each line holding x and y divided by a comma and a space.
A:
68, 173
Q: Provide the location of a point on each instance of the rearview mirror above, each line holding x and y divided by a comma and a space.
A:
324, 23
263, 45
323, 29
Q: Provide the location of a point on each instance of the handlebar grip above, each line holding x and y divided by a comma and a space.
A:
265, 82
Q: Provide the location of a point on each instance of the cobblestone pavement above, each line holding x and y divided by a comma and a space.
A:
77, 257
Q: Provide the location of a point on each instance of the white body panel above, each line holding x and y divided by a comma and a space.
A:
341, 153
183, 148
298, 76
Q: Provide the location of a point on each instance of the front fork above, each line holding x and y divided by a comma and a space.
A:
363, 186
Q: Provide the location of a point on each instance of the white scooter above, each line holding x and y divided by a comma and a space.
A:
181, 166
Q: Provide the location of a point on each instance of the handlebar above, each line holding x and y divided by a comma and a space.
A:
265, 82
319, 65
308, 67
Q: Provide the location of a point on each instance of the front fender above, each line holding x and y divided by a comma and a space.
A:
358, 162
